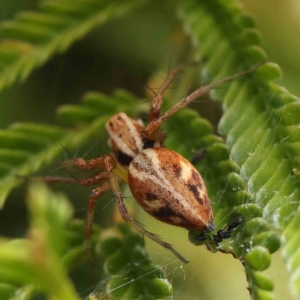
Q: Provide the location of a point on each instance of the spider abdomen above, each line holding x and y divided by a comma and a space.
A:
169, 188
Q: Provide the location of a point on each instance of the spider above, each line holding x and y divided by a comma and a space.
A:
165, 184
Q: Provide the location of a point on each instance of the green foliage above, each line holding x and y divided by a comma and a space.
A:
252, 171
258, 121
55, 245
125, 255
34, 37
36, 260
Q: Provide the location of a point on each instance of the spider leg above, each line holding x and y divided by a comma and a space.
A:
155, 108
155, 124
95, 179
97, 192
157, 100
125, 215
91, 164
95, 195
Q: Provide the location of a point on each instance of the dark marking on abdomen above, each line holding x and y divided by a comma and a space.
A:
166, 212
177, 171
196, 177
151, 196
194, 189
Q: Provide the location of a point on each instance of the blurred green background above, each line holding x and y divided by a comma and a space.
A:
123, 54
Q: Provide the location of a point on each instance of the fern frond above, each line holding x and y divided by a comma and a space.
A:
34, 37
260, 123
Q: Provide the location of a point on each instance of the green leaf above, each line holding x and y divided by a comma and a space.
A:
39, 263
36, 260
257, 123
34, 37
128, 258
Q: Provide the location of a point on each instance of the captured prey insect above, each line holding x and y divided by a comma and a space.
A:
212, 240
165, 184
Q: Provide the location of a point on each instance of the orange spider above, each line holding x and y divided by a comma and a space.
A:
164, 183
